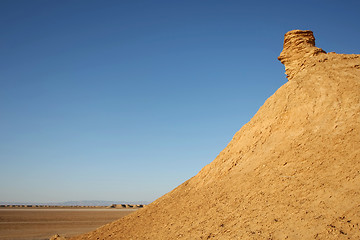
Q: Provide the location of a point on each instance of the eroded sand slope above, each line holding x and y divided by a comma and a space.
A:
292, 172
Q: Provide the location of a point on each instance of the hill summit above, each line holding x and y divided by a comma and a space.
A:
292, 172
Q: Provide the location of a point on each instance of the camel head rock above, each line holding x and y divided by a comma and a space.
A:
299, 45
291, 172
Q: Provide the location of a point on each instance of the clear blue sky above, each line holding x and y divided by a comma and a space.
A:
125, 100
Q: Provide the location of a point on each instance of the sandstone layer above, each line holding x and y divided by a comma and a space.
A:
292, 172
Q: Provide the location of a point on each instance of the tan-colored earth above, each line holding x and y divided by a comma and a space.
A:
292, 172
41, 223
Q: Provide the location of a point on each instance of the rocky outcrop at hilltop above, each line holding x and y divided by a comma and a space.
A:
292, 172
298, 47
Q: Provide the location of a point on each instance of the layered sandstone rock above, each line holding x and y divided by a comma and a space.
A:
292, 172
298, 47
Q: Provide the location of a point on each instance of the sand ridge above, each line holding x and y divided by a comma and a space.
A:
292, 172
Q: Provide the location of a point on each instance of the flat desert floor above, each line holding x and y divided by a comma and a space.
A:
31, 224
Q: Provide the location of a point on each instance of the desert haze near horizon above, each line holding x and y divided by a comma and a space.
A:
292, 172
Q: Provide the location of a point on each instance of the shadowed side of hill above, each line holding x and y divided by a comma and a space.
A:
292, 172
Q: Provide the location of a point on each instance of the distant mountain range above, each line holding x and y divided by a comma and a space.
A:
77, 203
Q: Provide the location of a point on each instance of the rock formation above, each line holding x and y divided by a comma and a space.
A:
57, 237
292, 172
298, 47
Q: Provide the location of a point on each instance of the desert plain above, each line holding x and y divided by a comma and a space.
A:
43, 222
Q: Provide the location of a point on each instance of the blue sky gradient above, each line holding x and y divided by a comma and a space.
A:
125, 100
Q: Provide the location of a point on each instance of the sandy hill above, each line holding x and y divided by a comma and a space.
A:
292, 172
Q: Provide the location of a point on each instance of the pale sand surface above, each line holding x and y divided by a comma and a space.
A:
33, 224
